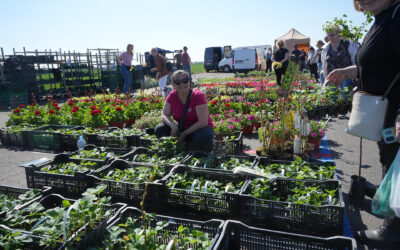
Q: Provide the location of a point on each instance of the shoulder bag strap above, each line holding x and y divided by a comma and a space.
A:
184, 113
391, 85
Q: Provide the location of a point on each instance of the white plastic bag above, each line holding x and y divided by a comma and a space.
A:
395, 193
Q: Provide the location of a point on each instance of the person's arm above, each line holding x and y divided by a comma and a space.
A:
202, 117
338, 76
353, 48
286, 58
119, 59
314, 58
167, 119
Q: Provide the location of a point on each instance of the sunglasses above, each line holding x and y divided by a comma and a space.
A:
181, 80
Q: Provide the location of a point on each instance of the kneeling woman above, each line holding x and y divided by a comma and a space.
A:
197, 128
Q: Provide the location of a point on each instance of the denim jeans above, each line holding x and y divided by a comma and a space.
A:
321, 73
126, 75
187, 69
346, 83
200, 140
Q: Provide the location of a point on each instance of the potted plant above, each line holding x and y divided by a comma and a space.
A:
226, 127
317, 132
131, 113
116, 117
95, 119
53, 117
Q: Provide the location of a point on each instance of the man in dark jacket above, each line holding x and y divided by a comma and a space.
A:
162, 71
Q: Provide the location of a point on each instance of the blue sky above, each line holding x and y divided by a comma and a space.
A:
78, 25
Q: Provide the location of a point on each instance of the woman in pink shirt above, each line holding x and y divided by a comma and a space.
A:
197, 128
125, 60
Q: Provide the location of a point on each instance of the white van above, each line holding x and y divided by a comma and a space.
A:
243, 60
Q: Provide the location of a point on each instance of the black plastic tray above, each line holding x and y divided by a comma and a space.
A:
121, 151
237, 235
231, 147
141, 150
322, 221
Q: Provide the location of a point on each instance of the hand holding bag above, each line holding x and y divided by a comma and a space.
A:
368, 114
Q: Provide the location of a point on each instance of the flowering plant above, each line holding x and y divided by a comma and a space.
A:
317, 130
34, 116
132, 111
75, 116
227, 126
116, 114
16, 117
52, 117
149, 120
95, 119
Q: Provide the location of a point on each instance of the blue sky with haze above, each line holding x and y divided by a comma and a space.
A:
78, 25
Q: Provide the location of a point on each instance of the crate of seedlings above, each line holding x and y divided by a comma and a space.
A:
64, 174
222, 163
162, 232
125, 181
46, 137
15, 135
13, 197
201, 193
229, 144
112, 137
57, 222
237, 235
300, 206
102, 155
297, 169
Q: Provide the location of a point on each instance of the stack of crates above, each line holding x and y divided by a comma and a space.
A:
13, 91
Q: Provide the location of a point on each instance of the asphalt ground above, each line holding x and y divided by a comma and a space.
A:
345, 151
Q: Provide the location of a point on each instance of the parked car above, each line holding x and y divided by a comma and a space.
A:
244, 60
212, 56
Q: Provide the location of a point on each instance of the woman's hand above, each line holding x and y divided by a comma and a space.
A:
397, 126
336, 77
154, 70
181, 138
174, 130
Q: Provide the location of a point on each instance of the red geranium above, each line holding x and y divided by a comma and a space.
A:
74, 111
58, 107
157, 101
86, 100
227, 104
22, 106
52, 112
93, 107
70, 103
93, 112
214, 102
16, 111
55, 104
76, 108
37, 112
108, 100
118, 108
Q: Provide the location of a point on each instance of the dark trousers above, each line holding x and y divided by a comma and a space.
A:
200, 140
314, 71
269, 65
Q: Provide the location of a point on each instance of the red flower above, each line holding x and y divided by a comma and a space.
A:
76, 108
37, 112
108, 100
86, 100
55, 104
227, 104
125, 104
58, 107
74, 111
52, 112
256, 104
22, 106
118, 108
113, 104
93, 107
157, 101
16, 111
214, 102
70, 103
54, 101
93, 112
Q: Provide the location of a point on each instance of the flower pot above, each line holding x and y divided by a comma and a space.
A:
316, 142
116, 124
130, 121
257, 125
248, 129
357, 190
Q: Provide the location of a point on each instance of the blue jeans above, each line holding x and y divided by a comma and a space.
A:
187, 69
127, 76
321, 73
200, 140
346, 83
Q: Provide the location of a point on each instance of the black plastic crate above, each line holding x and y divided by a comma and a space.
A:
132, 155
324, 221
212, 227
232, 146
127, 192
214, 162
201, 204
264, 161
118, 152
88, 237
237, 235
69, 185
112, 141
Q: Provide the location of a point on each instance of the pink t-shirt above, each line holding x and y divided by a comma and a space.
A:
177, 107
127, 59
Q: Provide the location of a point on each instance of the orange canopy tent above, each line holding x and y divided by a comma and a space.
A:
292, 38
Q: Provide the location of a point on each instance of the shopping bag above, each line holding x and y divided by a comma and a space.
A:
381, 200
395, 189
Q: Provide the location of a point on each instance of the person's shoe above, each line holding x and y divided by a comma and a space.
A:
342, 117
386, 236
370, 189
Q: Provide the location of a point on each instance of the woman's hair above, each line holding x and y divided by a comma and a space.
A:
320, 42
154, 49
178, 73
358, 7
127, 48
312, 48
281, 44
332, 28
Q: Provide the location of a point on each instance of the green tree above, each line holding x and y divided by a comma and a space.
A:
349, 31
